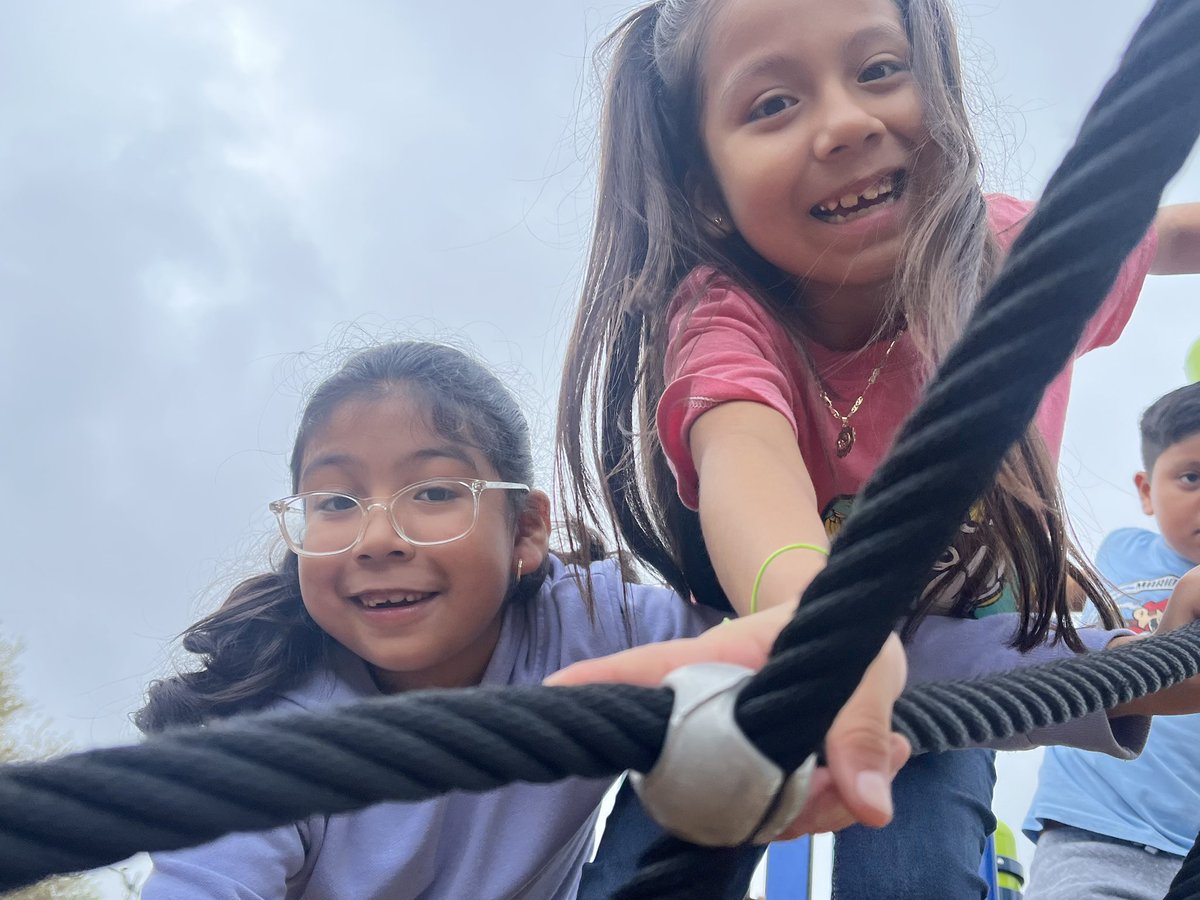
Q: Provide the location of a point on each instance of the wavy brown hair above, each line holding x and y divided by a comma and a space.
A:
646, 239
262, 642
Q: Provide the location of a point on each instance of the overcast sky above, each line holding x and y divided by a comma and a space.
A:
203, 202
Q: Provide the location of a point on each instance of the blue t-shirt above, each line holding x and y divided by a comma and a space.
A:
1154, 799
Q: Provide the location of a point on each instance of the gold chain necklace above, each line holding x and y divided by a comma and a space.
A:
845, 438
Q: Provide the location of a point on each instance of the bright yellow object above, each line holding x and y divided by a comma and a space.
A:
1191, 363
770, 559
1010, 874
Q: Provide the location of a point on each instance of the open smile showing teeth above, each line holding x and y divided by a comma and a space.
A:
391, 601
849, 207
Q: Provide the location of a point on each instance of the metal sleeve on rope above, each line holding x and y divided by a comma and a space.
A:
711, 785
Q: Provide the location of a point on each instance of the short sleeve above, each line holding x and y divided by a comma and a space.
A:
722, 347
1008, 217
1090, 616
1110, 321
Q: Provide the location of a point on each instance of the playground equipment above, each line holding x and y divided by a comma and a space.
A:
790, 868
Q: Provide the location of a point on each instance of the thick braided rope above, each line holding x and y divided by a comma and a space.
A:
259, 773
955, 714
255, 772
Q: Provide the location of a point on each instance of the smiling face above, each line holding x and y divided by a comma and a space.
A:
812, 122
1171, 493
453, 594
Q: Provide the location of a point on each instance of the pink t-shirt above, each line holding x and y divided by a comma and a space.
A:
724, 346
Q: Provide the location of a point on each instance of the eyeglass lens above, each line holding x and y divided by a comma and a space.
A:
429, 513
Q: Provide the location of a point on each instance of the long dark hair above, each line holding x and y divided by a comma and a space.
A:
262, 642
648, 236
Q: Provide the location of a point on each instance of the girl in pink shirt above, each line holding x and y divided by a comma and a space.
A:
790, 235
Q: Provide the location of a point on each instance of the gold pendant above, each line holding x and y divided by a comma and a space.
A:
845, 440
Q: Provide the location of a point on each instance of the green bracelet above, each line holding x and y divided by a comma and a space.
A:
770, 559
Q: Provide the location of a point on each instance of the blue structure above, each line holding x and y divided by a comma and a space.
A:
789, 869
987, 868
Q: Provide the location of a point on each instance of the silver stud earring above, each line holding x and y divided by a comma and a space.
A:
718, 220
520, 566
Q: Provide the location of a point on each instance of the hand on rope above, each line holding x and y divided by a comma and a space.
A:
863, 753
1184, 606
1184, 698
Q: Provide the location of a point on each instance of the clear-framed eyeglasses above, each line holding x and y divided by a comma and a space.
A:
436, 511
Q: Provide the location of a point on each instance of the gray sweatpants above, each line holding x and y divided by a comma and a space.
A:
1073, 864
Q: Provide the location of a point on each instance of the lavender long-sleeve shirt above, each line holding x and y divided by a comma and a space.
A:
523, 841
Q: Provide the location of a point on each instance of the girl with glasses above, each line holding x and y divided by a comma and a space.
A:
417, 558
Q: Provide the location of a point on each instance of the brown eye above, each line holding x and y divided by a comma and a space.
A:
332, 503
879, 70
772, 106
439, 493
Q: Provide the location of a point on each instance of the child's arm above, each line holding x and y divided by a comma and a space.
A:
755, 497
1184, 698
1178, 230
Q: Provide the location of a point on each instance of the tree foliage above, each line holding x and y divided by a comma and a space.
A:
23, 737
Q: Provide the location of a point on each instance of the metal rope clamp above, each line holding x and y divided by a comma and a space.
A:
710, 784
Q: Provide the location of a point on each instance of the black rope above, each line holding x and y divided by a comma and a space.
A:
250, 773
955, 714
1186, 883
179, 789
255, 772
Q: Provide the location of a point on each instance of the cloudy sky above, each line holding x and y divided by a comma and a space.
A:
203, 203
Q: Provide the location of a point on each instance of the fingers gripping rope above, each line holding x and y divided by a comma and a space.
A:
746, 798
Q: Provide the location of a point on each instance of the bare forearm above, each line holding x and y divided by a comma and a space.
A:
1178, 240
756, 497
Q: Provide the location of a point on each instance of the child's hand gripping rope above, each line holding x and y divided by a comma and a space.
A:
863, 754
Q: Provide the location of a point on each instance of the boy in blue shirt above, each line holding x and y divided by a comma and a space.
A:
1109, 828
